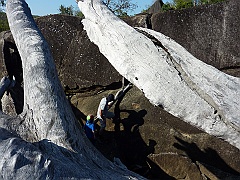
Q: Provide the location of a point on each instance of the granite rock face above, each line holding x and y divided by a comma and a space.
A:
78, 61
167, 74
89, 76
33, 144
209, 32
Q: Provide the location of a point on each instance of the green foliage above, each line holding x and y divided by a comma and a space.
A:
79, 13
70, 10
182, 4
167, 7
3, 22
144, 11
120, 7
210, 1
66, 10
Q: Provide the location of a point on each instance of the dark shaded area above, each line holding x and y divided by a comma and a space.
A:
148, 21
12, 61
128, 145
17, 95
92, 90
81, 117
13, 64
207, 156
130, 148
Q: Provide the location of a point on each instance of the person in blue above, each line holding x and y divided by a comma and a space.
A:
89, 128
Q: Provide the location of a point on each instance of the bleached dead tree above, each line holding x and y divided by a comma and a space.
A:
45, 141
167, 74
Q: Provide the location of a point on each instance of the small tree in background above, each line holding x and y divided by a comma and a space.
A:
210, 1
3, 22
2, 5
168, 6
70, 10
181, 4
66, 10
78, 13
3, 18
2, 2
120, 7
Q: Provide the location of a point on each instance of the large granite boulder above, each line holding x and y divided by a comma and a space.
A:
209, 32
45, 141
78, 61
158, 143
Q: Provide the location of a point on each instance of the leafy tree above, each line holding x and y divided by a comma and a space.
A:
210, 1
3, 22
66, 10
181, 4
78, 13
168, 6
144, 11
2, 4
70, 10
120, 7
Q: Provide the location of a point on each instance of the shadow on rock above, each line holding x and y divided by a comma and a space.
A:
130, 148
125, 143
81, 117
208, 156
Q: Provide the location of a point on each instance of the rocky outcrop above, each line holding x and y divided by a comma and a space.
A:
159, 66
137, 76
172, 142
45, 141
75, 56
209, 32
156, 7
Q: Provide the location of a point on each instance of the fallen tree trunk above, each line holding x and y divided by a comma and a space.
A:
45, 141
166, 73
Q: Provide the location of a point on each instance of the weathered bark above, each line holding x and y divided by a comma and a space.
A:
45, 141
167, 74
44, 95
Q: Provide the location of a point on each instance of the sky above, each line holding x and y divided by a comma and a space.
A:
46, 7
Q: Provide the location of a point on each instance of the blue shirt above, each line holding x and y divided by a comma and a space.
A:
89, 128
